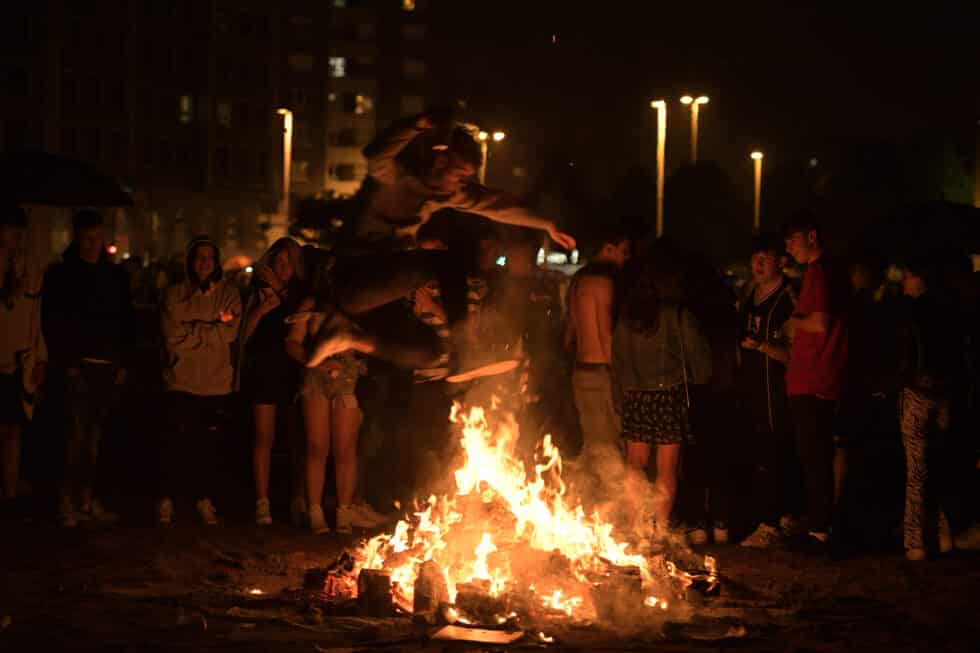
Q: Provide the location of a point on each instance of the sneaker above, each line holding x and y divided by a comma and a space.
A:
165, 511
697, 535
263, 514
369, 514
915, 555
791, 526
968, 540
297, 512
97, 514
207, 511
764, 537
720, 534
318, 525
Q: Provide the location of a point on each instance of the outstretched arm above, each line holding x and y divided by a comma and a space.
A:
501, 207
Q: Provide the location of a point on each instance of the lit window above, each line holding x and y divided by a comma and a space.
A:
224, 114
337, 66
363, 104
331, 97
340, 3
300, 172
408, 5
413, 67
186, 109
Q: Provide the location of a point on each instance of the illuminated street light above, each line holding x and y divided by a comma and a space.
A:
287, 160
661, 107
695, 104
484, 138
757, 213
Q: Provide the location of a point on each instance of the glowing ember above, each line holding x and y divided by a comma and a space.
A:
488, 533
256, 591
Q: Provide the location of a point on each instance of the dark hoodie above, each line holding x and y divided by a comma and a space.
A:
197, 343
87, 312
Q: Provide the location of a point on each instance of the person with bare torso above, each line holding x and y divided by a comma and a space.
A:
589, 329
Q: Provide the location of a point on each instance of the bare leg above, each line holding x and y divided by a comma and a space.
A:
9, 460
665, 487
637, 458
297, 455
316, 410
346, 425
265, 435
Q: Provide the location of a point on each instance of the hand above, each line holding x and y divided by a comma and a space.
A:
423, 122
561, 239
226, 316
121, 376
38, 374
270, 277
269, 300
751, 343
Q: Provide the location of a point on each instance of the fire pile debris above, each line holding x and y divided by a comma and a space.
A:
507, 550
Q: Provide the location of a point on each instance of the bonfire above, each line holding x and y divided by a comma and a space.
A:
509, 544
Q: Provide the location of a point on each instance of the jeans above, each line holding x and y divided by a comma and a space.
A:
91, 396
191, 455
813, 419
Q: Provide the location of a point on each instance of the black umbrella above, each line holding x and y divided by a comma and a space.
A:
34, 177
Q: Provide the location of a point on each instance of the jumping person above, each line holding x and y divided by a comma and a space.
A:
415, 168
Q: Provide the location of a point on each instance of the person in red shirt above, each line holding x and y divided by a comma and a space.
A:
818, 329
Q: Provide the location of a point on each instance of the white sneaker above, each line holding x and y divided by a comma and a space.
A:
369, 514
165, 511
969, 540
298, 512
318, 525
263, 514
764, 537
207, 511
97, 514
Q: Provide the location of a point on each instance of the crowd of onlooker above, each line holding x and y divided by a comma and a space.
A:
766, 408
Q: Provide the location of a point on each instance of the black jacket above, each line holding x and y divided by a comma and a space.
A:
931, 348
87, 312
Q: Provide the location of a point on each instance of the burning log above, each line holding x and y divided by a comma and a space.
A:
619, 595
474, 600
335, 580
374, 593
430, 591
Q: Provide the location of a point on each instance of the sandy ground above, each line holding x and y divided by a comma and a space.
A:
145, 588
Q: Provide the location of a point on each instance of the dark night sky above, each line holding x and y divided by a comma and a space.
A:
793, 81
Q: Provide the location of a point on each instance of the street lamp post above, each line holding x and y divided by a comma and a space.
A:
757, 212
661, 107
695, 104
287, 160
484, 138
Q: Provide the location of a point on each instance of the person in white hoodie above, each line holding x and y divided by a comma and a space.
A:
23, 356
199, 322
